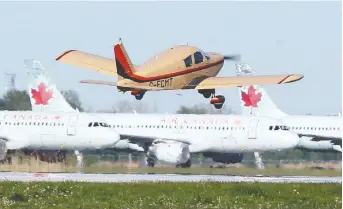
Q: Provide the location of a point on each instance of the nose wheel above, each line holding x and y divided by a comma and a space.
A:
217, 101
138, 94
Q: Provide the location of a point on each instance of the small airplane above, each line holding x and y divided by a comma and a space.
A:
179, 67
173, 137
320, 133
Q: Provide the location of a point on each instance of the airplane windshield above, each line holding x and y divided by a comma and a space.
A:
198, 57
97, 124
282, 127
205, 55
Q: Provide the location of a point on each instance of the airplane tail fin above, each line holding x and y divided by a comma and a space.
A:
44, 95
254, 100
125, 68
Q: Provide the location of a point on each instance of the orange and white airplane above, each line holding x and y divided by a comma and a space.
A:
179, 67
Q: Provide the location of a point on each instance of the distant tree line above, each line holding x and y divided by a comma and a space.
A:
19, 100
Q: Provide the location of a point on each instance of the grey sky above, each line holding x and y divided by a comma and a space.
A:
273, 37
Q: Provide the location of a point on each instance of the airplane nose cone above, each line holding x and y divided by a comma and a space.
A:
112, 138
292, 140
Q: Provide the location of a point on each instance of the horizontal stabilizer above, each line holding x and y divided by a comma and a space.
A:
89, 61
132, 86
232, 82
98, 82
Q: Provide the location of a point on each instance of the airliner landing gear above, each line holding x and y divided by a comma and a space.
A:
258, 161
79, 159
187, 164
138, 94
217, 101
150, 161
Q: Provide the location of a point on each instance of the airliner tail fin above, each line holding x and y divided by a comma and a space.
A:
44, 95
254, 100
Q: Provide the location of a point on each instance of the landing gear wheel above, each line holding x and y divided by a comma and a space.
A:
151, 162
139, 96
218, 106
207, 95
187, 164
218, 101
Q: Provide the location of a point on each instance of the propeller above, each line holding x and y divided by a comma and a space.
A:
232, 57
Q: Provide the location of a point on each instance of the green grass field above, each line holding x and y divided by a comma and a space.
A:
169, 195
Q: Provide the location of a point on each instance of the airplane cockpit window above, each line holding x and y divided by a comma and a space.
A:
205, 55
188, 61
198, 58
97, 124
277, 128
284, 128
104, 125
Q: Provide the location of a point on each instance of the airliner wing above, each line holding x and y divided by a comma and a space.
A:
321, 138
140, 139
89, 61
231, 82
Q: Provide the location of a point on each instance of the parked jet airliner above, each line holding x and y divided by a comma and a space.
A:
53, 130
172, 137
316, 132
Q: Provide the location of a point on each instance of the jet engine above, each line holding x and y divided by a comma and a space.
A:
176, 153
228, 158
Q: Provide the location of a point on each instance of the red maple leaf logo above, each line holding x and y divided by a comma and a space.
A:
251, 99
42, 96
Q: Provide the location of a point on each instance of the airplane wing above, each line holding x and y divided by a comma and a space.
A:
111, 83
231, 82
89, 61
141, 139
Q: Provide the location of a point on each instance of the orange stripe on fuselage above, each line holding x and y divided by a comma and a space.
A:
119, 55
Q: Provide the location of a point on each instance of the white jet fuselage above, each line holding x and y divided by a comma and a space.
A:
316, 132
210, 133
58, 130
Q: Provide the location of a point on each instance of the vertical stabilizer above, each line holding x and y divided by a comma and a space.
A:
44, 95
125, 68
254, 100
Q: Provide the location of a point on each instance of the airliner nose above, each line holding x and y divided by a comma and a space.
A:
111, 137
291, 139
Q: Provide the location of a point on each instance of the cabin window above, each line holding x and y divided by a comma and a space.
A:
198, 58
188, 61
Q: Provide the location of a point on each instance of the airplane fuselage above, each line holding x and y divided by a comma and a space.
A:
179, 78
58, 130
212, 133
316, 132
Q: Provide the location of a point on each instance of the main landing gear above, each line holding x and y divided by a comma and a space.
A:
217, 101
138, 94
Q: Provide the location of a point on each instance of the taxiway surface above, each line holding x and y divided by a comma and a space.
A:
118, 178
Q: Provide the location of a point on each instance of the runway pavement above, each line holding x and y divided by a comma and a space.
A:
118, 178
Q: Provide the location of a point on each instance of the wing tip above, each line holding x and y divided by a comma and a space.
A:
64, 54
291, 78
